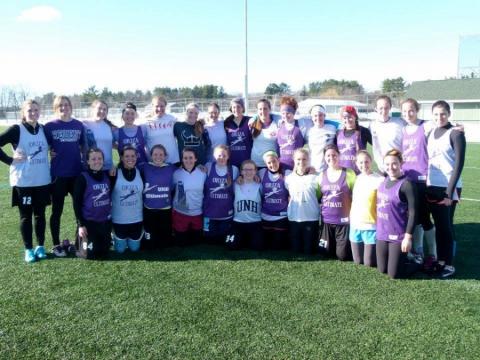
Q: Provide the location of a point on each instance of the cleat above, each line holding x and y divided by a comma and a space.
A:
29, 256
40, 252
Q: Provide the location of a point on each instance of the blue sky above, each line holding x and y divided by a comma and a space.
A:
143, 44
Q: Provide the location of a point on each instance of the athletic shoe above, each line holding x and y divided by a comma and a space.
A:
448, 271
29, 256
40, 252
58, 251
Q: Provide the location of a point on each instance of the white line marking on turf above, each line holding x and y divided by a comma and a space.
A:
467, 199
471, 167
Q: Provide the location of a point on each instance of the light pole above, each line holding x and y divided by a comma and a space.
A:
245, 92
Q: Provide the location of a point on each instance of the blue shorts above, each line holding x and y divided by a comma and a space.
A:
366, 236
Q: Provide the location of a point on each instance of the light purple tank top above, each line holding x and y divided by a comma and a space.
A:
336, 200
137, 141
348, 147
97, 202
218, 194
415, 155
288, 141
274, 196
392, 213
157, 191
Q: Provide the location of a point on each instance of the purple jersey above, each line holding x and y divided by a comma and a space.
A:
274, 196
239, 140
392, 212
157, 191
219, 195
288, 141
415, 155
97, 202
336, 200
348, 147
66, 139
137, 141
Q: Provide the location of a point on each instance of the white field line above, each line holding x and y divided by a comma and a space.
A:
468, 199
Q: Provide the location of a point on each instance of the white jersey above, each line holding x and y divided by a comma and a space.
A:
217, 135
160, 131
34, 171
441, 160
248, 203
385, 137
127, 200
303, 204
188, 199
99, 134
316, 139
265, 141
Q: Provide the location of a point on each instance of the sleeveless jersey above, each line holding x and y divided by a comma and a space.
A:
218, 194
157, 191
127, 207
392, 213
336, 200
288, 140
239, 140
348, 147
441, 160
137, 141
247, 203
415, 155
97, 203
274, 196
34, 171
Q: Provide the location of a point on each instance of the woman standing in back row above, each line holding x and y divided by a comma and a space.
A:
65, 135
29, 176
446, 157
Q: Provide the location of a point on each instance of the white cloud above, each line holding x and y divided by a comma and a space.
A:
41, 13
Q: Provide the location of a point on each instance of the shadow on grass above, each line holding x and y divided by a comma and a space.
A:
211, 252
467, 259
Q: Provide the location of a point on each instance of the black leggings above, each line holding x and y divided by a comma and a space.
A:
61, 187
99, 239
158, 228
392, 261
38, 213
423, 210
390, 258
443, 219
304, 236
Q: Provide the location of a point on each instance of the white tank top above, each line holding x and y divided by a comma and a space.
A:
247, 203
441, 160
35, 170
127, 205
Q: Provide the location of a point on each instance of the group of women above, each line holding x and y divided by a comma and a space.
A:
266, 182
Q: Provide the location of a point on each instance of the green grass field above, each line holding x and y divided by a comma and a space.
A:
206, 303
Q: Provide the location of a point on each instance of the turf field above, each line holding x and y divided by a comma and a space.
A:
206, 303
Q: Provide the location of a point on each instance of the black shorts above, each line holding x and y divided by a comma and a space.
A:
334, 241
132, 231
31, 196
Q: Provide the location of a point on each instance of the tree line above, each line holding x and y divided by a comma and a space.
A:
11, 98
